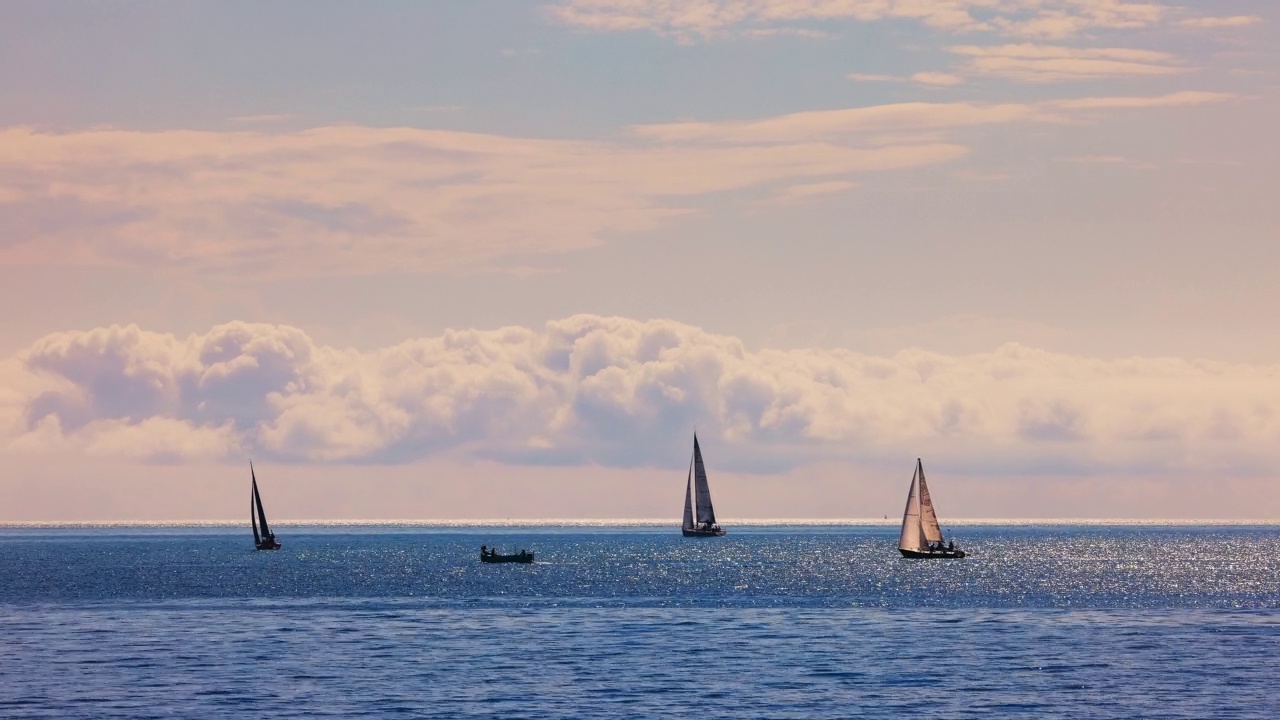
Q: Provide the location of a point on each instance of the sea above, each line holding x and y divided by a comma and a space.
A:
630, 620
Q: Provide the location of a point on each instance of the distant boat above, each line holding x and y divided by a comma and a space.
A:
703, 524
491, 555
921, 533
265, 540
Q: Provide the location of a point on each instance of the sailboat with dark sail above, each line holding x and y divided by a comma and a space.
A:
264, 539
699, 515
921, 534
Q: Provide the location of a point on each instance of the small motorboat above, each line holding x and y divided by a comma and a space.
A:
491, 555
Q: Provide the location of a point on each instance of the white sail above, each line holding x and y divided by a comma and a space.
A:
912, 537
919, 521
928, 519
702, 492
688, 500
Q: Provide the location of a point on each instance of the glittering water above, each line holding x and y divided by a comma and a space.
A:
768, 622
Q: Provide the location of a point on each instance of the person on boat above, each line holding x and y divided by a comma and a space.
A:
484, 551
951, 545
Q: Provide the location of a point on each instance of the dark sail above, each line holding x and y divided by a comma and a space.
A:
257, 500
702, 492
253, 507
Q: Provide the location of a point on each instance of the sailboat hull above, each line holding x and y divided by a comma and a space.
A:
932, 554
272, 545
714, 532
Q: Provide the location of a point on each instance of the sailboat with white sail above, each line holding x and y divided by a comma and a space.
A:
921, 534
699, 515
264, 540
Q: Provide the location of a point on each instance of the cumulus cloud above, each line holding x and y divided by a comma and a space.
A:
689, 20
622, 392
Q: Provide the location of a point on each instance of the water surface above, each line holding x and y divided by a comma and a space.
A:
768, 622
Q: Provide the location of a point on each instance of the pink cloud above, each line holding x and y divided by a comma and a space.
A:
606, 390
705, 19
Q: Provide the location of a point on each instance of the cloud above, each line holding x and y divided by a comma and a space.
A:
1220, 22
1059, 19
788, 32
923, 78
831, 125
625, 393
1054, 63
799, 192
361, 199
937, 78
350, 200
1178, 99
1117, 160
693, 20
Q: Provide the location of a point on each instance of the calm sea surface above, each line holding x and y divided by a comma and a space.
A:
620, 622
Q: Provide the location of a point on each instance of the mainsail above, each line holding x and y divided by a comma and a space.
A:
706, 513
253, 506
919, 521
687, 524
255, 503
928, 519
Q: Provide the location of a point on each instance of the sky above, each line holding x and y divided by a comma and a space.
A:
502, 259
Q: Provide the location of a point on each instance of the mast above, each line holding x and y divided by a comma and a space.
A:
262, 516
687, 523
706, 513
910, 539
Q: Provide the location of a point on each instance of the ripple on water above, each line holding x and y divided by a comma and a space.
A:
782, 623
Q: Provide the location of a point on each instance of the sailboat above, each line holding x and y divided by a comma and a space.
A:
266, 540
921, 533
697, 496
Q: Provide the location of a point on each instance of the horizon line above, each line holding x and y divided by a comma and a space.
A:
621, 522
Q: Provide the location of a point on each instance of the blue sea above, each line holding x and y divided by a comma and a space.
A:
634, 621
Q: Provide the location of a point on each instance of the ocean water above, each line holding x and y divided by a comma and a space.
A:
1071, 621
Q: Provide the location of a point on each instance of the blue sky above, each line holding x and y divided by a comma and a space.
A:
1045, 230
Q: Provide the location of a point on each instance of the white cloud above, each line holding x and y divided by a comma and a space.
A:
622, 392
